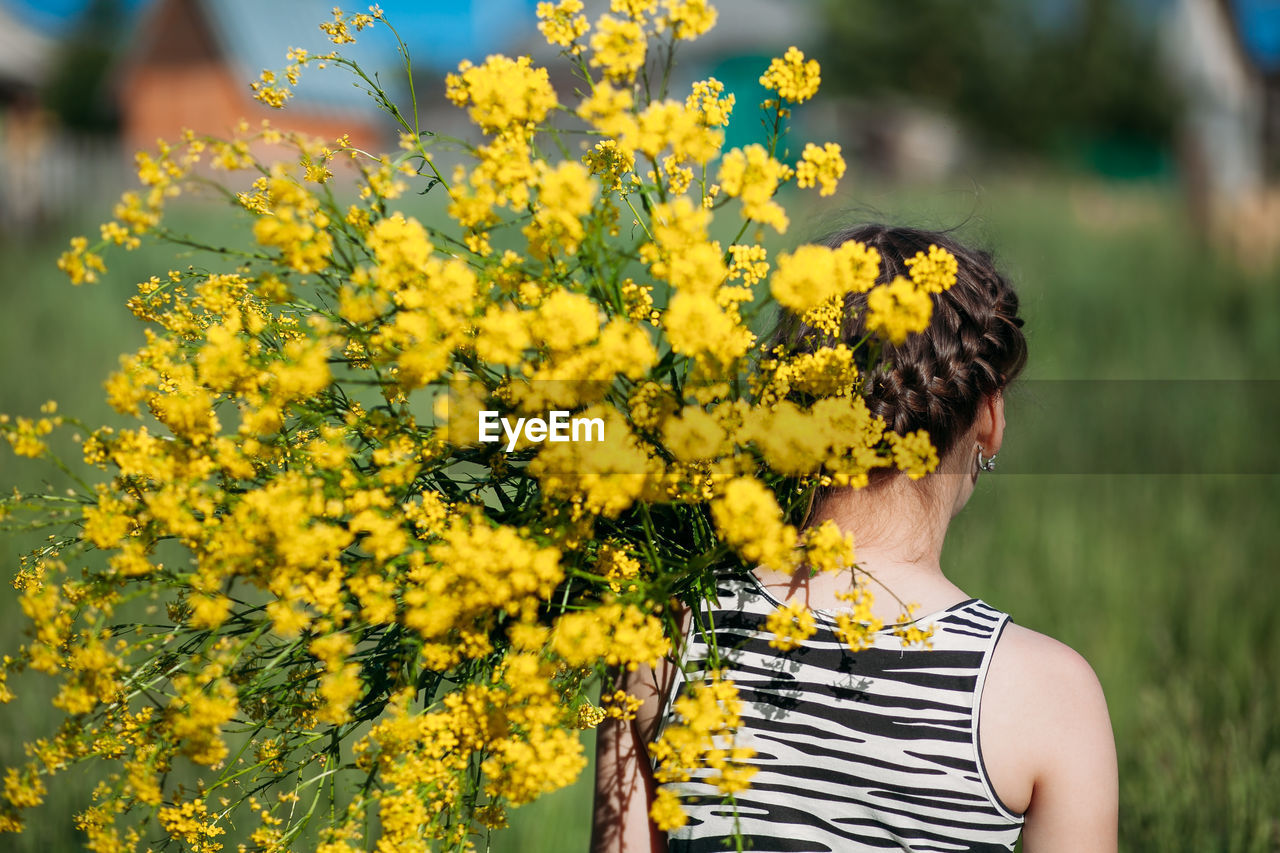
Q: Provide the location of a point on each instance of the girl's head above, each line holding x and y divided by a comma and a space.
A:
937, 379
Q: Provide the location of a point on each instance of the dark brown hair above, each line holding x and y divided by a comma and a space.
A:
936, 379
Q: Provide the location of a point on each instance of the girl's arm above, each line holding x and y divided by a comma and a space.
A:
1074, 804
624, 782
625, 786
1051, 744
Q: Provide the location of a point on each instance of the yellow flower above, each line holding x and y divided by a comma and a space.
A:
749, 518
638, 299
26, 435
602, 477
610, 163
698, 326
934, 272
827, 548
690, 18
732, 774
812, 275
79, 264
565, 321
856, 628
805, 278
502, 92
792, 77
191, 823
705, 98
829, 372
678, 175
295, 225
271, 95
913, 453
502, 335
618, 48
607, 109
617, 565
791, 624
565, 195
822, 166
695, 435
561, 24
750, 263
673, 124
897, 309
751, 175
789, 437
910, 632
620, 635
666, 811
634, 9
338, 29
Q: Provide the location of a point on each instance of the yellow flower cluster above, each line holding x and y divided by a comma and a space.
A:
610, 163
910, 633
822, 166
748, 517
709, 711
617, 567
897, 309
934, 272
565, 195
689, 19
294, 223
337, 562
339, 29
856, 626
751, 175
476, 573
794, 78
913, 453
706, 99
829, 372
502, 92
618, 48
621, 635
813, 274
25, 435
561, 24
827, 548
791, 624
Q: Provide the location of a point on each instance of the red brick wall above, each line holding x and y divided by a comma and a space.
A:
178, 77
159, 101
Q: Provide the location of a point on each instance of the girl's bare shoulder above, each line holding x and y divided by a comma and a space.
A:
1042, 671
1044, 717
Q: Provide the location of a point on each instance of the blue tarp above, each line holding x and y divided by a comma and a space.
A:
1259, 27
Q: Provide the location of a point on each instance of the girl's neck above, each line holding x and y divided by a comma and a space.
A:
898, 531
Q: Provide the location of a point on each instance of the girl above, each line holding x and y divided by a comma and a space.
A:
994, 732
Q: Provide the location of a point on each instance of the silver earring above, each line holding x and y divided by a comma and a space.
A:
987, 463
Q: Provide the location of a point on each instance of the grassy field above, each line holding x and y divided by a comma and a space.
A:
1165, 581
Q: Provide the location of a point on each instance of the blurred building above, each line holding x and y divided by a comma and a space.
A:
191, 61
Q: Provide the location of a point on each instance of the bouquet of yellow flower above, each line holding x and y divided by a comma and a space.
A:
401, 500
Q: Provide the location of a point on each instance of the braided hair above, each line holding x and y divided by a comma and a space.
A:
935, 380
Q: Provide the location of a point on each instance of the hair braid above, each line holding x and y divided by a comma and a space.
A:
935, 380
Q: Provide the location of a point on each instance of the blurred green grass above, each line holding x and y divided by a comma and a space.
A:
1166, 583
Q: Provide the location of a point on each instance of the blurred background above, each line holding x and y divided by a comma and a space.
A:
1120, 157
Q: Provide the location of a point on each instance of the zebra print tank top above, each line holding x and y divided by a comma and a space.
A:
874, 750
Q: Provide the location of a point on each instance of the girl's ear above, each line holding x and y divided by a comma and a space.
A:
991, 423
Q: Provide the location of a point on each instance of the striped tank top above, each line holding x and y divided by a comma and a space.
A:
873, 750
